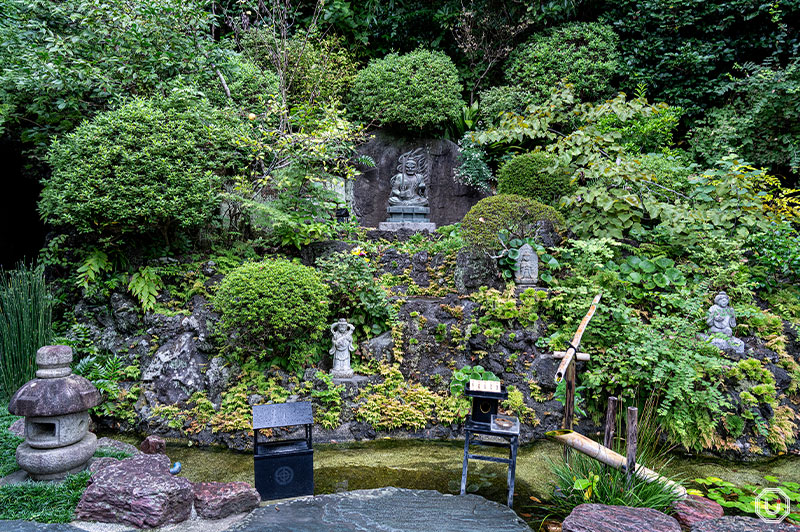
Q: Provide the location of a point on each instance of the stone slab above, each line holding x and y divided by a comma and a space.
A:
603, 518
407, 209
384, 509
693, 510
411, 226
742, 524
32, 526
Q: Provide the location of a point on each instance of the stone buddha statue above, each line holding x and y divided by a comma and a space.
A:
410, 181
721, 321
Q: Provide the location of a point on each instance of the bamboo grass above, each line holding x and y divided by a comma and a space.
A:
26, 311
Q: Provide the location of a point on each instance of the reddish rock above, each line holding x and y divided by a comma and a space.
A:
602, 518
139, 491
692, 510
153, 445
742, 524
215, 500
96, 464
17, 428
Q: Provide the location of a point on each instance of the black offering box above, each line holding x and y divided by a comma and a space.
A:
486, 396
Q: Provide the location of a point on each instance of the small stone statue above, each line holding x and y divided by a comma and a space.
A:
409, 184
722, 320
528, 263
341, 349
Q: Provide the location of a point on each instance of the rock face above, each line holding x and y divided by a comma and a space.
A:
742, 524
448, 200
153, 445
384, 509
139, 491
475, 269
215, 500
693, 510
602, 518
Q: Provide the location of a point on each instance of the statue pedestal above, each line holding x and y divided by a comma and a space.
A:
410, 217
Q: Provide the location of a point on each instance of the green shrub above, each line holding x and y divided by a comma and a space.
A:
519, 215
249, 84
503, 99
319, 70
418, 90
26, 309
644, 133
473, 168
526, 175
355, 294
8, 443
149, 165
275, 306
585, 54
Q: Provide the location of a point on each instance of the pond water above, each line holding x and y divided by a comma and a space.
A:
437, 465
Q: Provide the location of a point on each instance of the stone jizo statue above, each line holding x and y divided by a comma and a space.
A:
341, 349
410, 182
721, 319
528, 263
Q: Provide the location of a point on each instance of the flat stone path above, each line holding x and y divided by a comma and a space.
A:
384, 510
377, 510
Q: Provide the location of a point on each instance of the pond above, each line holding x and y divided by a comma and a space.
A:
437, 465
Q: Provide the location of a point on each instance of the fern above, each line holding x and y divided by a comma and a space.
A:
96, 263
145, 285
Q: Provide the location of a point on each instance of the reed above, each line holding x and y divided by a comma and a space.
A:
26, 313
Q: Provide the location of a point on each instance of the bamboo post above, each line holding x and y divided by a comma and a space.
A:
576, 340
569, 404
630, 463
611, 422
589, 447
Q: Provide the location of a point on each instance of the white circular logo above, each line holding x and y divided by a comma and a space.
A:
772, 505
284, 475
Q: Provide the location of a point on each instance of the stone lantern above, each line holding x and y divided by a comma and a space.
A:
56, 409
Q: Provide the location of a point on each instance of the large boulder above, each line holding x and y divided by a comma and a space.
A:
602, 518
138, 491
153, 445
693, 510
215, 500
742, 524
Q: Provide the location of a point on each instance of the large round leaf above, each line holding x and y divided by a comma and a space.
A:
635, 277
633, 261
673, 274
661, 280
647, 267
664, 263
625, 268
513, 254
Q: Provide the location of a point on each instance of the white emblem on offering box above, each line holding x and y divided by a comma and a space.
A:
484, 386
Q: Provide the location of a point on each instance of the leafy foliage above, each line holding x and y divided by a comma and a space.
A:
583, 54
496, 101
419, 90
742, 499
776, 256
355, 294
330, 398
107, 373
8, 442
149, 165
684, 50
68, 60
473, 169
276, 307
518, 215
145, 285
761, 123
532, 175
26, 309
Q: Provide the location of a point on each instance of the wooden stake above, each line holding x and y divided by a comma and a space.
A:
611, 422
630, 463
569, 404
581, 357
576, 340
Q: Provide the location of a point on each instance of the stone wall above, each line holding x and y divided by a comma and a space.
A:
449, 201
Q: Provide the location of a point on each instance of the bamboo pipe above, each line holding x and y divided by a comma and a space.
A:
603, 454
576, 340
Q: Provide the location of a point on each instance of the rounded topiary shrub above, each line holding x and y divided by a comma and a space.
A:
503, 99
521, 216
585, 54
146, 166
525, 175
419, 90
274, 306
